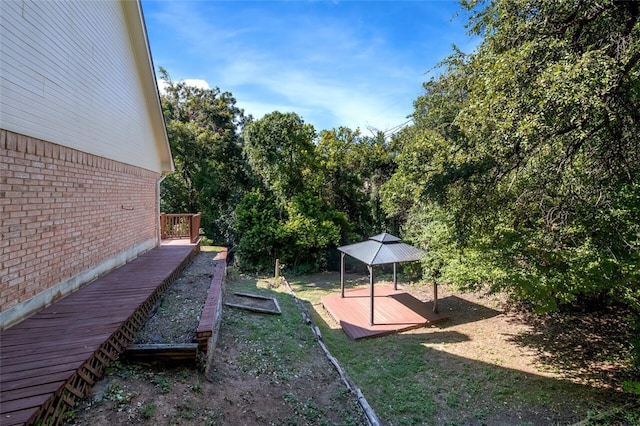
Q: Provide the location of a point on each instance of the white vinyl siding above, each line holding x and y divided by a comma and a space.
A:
68, 75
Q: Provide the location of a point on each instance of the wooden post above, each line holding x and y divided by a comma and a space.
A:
277, 268
435, 297
342, 275
163, 232
194, 226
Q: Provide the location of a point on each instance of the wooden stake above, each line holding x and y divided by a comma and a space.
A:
435, 298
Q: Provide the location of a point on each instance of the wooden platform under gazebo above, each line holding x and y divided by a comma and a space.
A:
383, 310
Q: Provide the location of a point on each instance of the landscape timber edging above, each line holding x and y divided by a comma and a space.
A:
209, 326
372, 418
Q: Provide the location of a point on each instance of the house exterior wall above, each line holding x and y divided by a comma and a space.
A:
79, 73
66, 217
82, 147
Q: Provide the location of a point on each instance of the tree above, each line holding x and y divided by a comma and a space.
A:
280, 150
203, 127
309, 230
524, 155
259, 229
353, 168
302, 226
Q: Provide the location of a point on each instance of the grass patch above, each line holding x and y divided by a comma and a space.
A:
212, 248
280, 348
616, 417
410, 382
148, 410
162, 383
278, 344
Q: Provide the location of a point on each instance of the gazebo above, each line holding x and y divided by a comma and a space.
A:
381, 249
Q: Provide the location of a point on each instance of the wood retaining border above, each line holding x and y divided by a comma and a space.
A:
153, 353
209, 326
372, 417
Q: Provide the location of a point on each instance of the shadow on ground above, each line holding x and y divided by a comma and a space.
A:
418, 377
584, 346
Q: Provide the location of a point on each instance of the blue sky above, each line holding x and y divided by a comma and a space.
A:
358, 64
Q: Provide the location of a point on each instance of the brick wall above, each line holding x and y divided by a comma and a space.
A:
62, 212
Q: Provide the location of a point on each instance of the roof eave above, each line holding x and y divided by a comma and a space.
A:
144, 62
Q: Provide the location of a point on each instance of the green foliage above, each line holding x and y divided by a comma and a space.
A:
203, 126
340, 184
297, 232
148, 410
635, 345
431, 229
287, 217
280, 150
353, 168
119, 395
162, 383
259, 229
521, 169
310, 228
632, 386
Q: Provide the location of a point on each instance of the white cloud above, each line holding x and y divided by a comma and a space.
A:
321, 98
196, 82
162, 87
332, 69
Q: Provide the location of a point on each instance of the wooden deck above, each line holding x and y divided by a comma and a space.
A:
394, 311
51, 359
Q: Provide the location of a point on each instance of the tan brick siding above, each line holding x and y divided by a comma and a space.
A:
63, 212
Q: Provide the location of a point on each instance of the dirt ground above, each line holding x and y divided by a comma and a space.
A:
247, 384
585, 348
250, 386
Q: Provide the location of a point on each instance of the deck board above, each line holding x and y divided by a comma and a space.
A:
394, 311
40, 354
27, 382
27, 392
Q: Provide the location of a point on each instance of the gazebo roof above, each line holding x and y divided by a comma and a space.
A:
382, 249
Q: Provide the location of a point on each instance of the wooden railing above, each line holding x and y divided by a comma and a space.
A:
180, 226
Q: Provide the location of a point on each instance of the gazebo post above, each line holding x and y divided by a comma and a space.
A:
395, 277
371, 291
342, 275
